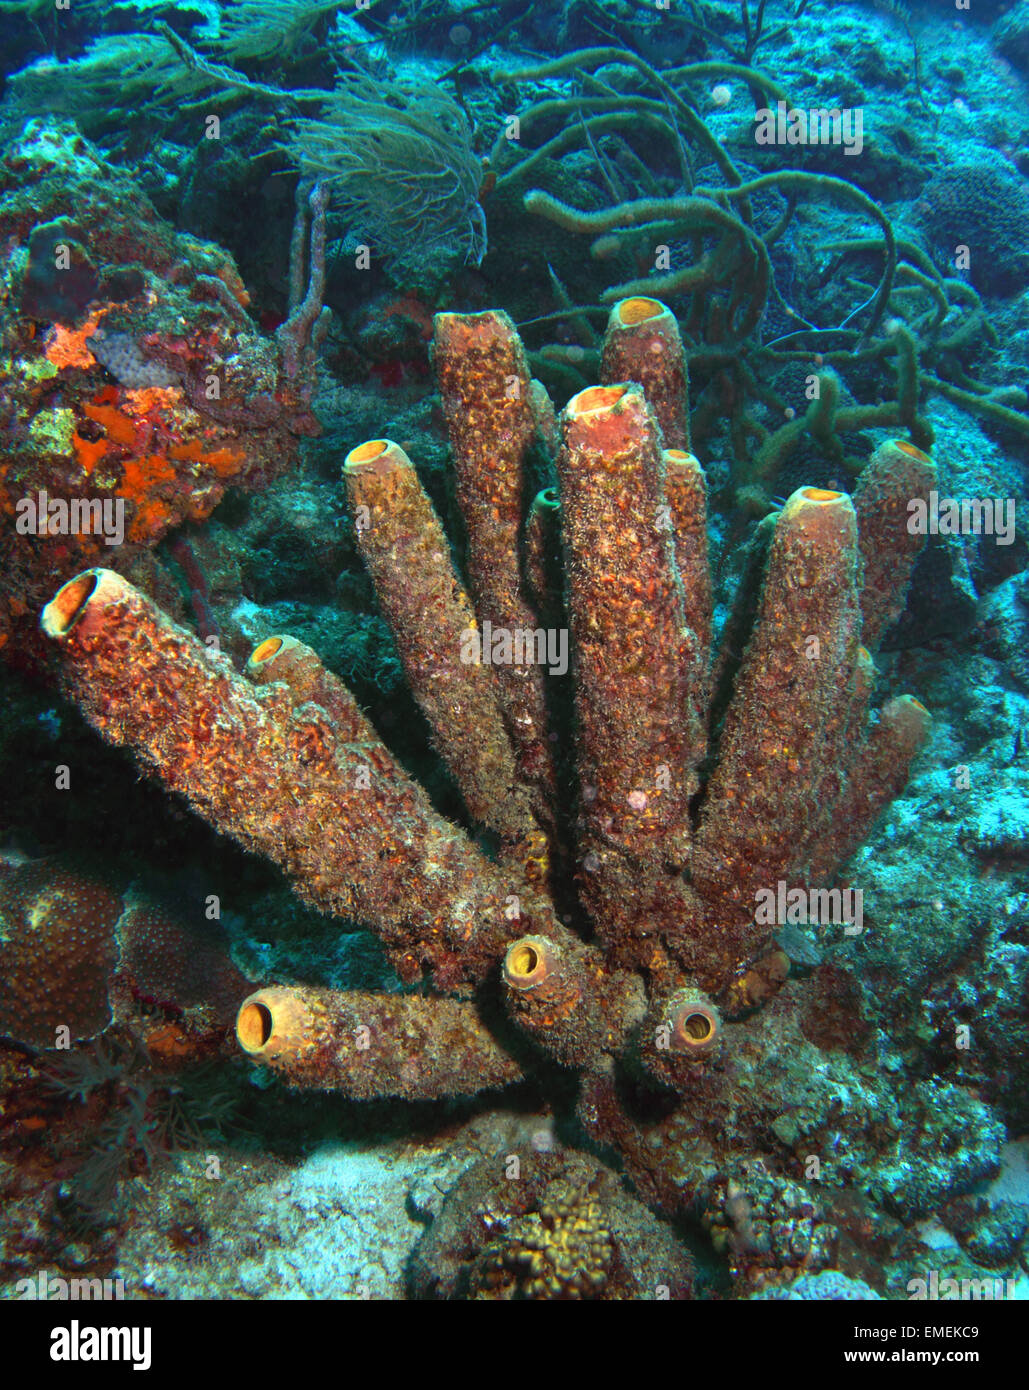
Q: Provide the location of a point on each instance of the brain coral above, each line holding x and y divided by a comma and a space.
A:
830, 1284
57, 951
555, 1226
1011, 36
986, 208
76, 954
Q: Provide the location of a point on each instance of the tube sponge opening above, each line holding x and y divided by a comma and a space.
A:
375, 456
597, 398
638, 310
254, 1026
528, 962
69, 603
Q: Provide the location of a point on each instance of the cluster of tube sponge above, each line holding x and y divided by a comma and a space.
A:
654, 949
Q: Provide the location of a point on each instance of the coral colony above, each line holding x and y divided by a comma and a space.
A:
555, 527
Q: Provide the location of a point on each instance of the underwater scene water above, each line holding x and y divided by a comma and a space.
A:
514, 643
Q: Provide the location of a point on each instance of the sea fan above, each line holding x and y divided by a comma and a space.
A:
399, 163
116, 73
262, 29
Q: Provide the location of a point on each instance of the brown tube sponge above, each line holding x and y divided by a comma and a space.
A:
642, 344
283, 658
560, 993
543, 554
366, 1045
897, 474
680, 1033
783, 725
487, 397
362, 840
636, 725
685, 495
878, 774
408, 557
847, 730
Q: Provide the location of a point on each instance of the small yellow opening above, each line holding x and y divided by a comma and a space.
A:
69, 603
366, 453
697, 1026
632, 311
912, 451
254, 1026
523, 960
598, 398
821, 494
449, 319
271, 646
918, 704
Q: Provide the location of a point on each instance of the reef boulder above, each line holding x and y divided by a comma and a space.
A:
135, 387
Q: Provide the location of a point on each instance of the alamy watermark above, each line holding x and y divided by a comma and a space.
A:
520, 646
44, 515
47, 1287
79, 1342
933, 1288
965, 516
822, 125
781, 906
